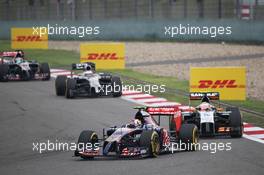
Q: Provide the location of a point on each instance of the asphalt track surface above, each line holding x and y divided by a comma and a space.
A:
30, 112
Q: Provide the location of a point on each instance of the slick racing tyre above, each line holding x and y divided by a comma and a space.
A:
188, 137
60, 85
70, 87
3, 72
93, 93
25, 75
151, 141
116, 86
236, 125
45, 70
86, 137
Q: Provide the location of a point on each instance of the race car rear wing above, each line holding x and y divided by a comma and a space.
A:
11, 53
201, 95
84, 66
162, 110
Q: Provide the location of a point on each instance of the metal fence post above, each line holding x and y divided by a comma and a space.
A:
238, 9
73, 9
201, 8
120, 9
136, 8
219, 9
7, 10
90, 9
151, 8
105, 9
58, 9
185, 4
255, 9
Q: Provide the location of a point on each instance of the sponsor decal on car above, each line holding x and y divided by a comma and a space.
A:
24, 38
230, 82
104, 55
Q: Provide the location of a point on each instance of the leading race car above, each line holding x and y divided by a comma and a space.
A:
212, 120
13, 66
88, 83
143, 137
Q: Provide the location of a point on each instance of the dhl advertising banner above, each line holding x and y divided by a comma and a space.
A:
230, 82
104, 55
25, 38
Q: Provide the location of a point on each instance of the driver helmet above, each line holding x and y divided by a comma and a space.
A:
20, 54
140, 116
205, 99
137, 123
88, 68
205, 106
18, 60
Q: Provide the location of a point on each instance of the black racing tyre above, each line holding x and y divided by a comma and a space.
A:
70, 87
150, 140
45, 70
116, 86
86, 137
235, 121
93, 93
25, 75
3, 72
60, 85
188, 137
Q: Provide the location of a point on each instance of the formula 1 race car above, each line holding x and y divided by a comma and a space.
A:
213, 120
143, 137
13, 66
88, 83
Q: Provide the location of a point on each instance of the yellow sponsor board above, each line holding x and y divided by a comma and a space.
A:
25, 38
230, 82
104, 55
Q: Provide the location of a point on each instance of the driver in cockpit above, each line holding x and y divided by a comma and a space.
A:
205, 105
93, 78
19, 58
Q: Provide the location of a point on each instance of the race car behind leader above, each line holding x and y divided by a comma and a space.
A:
14, 66
88, 83
212, 120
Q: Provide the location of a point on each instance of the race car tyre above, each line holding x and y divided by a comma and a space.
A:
70, 86
236, 124
45, 70
60, 85
93, 93
3, 72
25, 76
151, 141
86, 137
117, 86
188, 137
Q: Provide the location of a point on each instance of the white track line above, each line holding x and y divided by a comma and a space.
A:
164, 104
253, 138
259, 136
153, 100
138, 96
133, 101
253, 129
